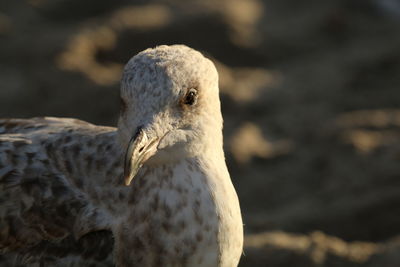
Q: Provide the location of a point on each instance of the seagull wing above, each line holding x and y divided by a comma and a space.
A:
59, 183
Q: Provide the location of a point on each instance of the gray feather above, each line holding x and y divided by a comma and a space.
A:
49, 205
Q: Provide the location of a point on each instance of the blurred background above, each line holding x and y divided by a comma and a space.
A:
310, 95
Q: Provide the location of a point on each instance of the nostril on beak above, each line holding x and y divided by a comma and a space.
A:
141, 149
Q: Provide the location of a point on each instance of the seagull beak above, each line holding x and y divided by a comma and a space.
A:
140, 149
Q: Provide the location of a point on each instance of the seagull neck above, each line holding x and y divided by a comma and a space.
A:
192, 202
211, 145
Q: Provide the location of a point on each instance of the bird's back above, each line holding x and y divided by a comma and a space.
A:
82, 152
54, 176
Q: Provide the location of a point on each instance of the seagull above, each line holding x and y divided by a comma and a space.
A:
155, 191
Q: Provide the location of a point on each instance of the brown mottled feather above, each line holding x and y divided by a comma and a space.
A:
48, 205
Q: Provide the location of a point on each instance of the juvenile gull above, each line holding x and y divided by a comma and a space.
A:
153, 192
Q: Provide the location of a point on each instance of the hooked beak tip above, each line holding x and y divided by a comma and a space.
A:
128, 181
140, 149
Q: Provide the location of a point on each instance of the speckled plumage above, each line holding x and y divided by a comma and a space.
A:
63, 201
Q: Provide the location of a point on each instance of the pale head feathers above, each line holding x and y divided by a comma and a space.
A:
153, 89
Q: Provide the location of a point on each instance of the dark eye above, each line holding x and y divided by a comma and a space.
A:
190, 97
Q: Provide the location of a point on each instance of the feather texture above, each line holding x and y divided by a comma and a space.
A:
62, 196
51, 170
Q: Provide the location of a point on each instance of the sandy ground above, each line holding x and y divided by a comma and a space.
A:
310, 94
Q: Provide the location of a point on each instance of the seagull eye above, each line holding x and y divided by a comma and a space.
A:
190, 97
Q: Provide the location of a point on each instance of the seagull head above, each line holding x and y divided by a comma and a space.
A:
170, 107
